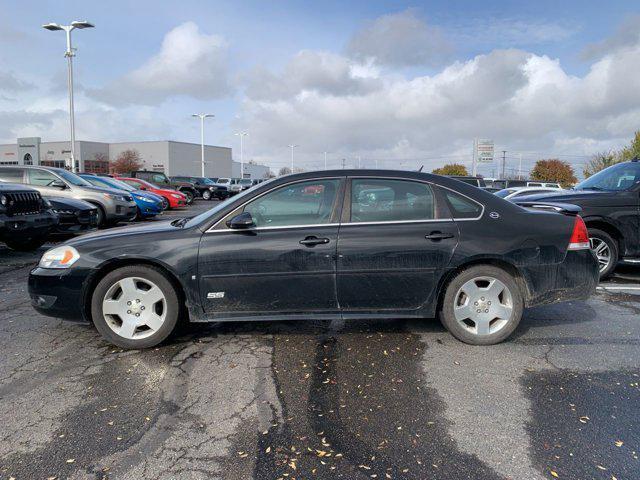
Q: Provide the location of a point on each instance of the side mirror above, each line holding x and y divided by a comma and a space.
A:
142, 187
242, 221
59, 184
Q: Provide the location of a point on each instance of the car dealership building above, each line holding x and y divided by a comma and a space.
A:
168, 156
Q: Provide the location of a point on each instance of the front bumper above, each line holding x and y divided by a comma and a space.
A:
27, 225
122, 212
58, 293
576, 278
78, 222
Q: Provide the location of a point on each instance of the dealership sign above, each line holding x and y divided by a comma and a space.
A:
484, 151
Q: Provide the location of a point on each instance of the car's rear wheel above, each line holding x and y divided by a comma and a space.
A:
482, 305
606, 249
206, 195
135, 306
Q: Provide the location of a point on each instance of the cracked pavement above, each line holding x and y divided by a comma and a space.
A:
294, 400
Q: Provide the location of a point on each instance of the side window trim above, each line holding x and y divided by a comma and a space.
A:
473, 219
220, 225
437, 198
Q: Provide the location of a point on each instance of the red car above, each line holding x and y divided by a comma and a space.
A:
172, 198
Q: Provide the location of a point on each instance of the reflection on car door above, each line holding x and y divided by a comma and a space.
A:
285, 264
393, 245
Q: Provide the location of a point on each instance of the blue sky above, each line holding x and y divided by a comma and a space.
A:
381, 80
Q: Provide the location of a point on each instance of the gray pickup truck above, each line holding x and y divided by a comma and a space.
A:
113, 205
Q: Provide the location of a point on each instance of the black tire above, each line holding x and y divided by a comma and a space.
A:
146, 272
165, 204
189, 195
101, 218
464, 333
26, 245
206, 195
612, 245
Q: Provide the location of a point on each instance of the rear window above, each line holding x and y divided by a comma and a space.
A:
11, 175
461, 206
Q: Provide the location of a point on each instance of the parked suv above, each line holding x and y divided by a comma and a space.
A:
610, 202
160, 179
206, 187
25, 217
231, 184
113, 205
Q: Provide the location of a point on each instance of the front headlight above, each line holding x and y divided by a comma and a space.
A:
4, 200
46, 203
59, 257
145, 199
120, 198
174, 195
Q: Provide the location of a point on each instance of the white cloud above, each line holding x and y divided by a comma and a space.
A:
9, 82
400, 39
189, 63
520, 99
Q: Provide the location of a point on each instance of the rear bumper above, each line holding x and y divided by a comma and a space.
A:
576, 278
58, 293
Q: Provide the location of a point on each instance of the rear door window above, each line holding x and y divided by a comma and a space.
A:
388, 200
11, 175
462, 207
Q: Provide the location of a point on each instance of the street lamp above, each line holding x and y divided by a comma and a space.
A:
202, 116
70, 53
292, 146
241, 135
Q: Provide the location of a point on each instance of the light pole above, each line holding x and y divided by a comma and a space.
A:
292, 146
325, 160
202, 116
241, 135
70, 53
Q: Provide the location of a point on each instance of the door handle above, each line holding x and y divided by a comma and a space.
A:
312, 241
437, 236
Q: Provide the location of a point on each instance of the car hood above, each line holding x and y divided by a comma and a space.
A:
119, 232
15, 187
62, 202
113, 191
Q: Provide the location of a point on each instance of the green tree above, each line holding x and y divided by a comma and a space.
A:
452, 169
554, 170
598, 162
632, 151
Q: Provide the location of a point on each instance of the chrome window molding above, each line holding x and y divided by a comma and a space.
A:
212, 228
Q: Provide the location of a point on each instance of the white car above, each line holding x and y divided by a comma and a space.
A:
513, 192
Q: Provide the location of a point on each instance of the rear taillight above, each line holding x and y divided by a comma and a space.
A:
580, 236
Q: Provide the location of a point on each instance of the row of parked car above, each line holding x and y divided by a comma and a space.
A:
609, 203
36, 201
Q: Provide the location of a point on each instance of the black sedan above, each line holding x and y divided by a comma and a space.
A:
324, 245
75, 216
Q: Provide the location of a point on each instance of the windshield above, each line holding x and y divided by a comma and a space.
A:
204, 180
109, 182
503, 193
246, 181
219, 207
621, 176
73, 179
224, 180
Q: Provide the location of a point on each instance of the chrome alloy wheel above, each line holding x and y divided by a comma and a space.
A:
602, 251
483, 305
134, 308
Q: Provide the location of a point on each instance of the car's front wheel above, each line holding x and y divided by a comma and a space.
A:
606, 249
135, 306
189, 195
165, 204
482, 305
206, 195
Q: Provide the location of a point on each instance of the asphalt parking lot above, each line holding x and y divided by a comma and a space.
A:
357, 400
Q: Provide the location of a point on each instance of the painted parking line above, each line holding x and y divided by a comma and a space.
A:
618, 288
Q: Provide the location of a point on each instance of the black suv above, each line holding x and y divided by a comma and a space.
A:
26, 219
206, 187
610, 202
160, 179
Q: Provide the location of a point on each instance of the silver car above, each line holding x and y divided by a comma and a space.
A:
113, 205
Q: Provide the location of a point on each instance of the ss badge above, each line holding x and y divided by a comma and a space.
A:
215, 295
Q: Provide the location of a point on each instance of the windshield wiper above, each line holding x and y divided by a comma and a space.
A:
180, 222
592, 188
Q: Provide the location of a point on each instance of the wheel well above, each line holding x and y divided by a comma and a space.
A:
494, 262
610, 229
115, 264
